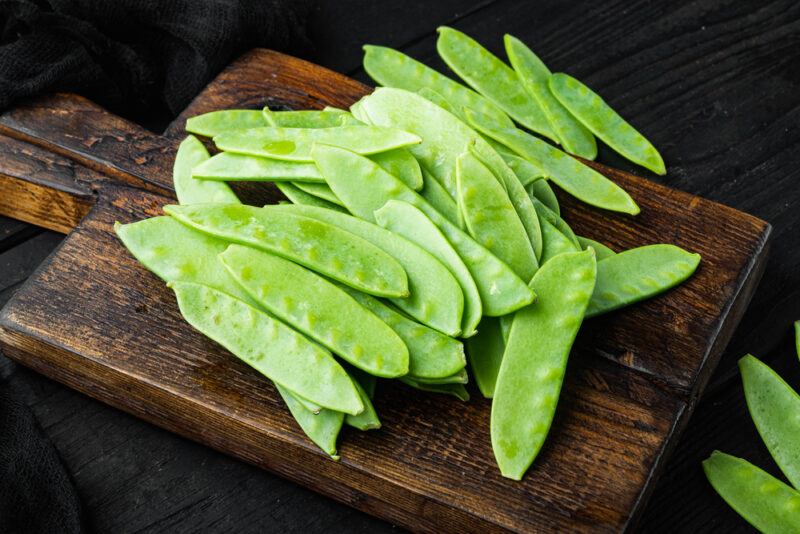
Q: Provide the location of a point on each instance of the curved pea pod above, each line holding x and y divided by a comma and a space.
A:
435, 297
535, 360
319, 309
438, 197
319, 246
526, 172
775, 409
322, 428
269, 346
431, 354
189, 190
320, 191
601, 251
366, 188
589, 108
454, 390
534, 74
408, 221
214, 123
638, 274
306, 118
485, 352
490, 217
368, 419
402, 164
460, 377
541, 190
568, 173
555, 243
294, 144
298, 196
761, 499
557, 221
227, 166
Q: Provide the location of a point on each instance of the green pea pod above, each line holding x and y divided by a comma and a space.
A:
542, 191
535, 360
322, 428
190, 190
553, 218
319, 246
368, 419
572, 135
488, 75
600, 250
638, 274
527, 173
460, 377
797, 337
589, 108
775, 409
320, 191
567, 172
438, 197
307, 118
402, 164
555, 243
485, 353
454, 390
762, 500
214, 123
294, 144
227, 166
297, 196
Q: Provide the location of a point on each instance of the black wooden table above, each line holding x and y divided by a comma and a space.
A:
715, 86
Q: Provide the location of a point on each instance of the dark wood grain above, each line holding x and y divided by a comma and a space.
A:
80, 320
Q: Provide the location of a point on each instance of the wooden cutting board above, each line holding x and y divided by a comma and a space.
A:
93, 318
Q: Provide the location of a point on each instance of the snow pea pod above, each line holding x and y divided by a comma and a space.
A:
319, 246
761, 499
535, 360
214, 123
492, 78
568, 173
485, 353
367, 419
438, 197
297, 196
307, 118
319, 309
269, 346
391, 68
554, 219
638, 274
192, 191
541, 190
402, 164
408, 221
589, 108
555, 243
534, 74
436, 298
490, 217
320, 191
797, 337
454, 390
294, 144
526, 172
502, 291
460, 377
775, 409
322, 428
227, 166
600, 250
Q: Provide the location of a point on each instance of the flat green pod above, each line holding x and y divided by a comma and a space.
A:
269, 346
189, 190
601, 251
322, 428
589, 108
775, 409
555, 243
230, 167
460, 377
318, 309
502, 291
435, 297
541, 190
797, 337
402, 164
294, 144
526, 172
438, 197
567, 172
454, 390
319, 246
535, 360
410, 222
638, 274
535, 75
490, 217
761, 499
297, 196
485, 354
215, 122
392, 68
306, 118
320, 191
555, 219
492, 78
368, 419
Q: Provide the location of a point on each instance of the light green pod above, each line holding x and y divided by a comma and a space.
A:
492, 78
189, 190
438, 197
526, 172
460, 377
797, 337
408, 221
601, 251
589, 108
485, 353
368, 419
322, 428
297, 196
230, 167
320, 191
556, 220
775, 409
319, 246
294, 144
431, 354
542, 191
502, 291
307, 118
214, 123
534, 74
535, 360
638, 274
490, 217
402, 164
269, 346
761, 499
555, 243
568, 173
319, 309
436, 298
454, 390
391, 68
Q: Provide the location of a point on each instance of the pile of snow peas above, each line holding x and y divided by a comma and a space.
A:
418, 221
